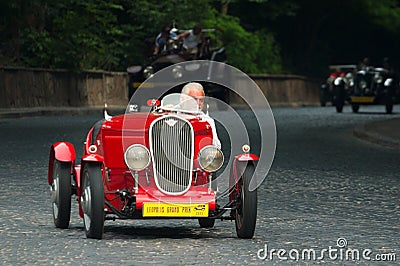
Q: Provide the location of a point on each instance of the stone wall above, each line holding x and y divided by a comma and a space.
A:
291, 90
32, 87
29, 87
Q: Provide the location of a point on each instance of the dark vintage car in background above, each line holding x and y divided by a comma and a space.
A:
358, 86
374, 86
215, 72
156, 164
174, 54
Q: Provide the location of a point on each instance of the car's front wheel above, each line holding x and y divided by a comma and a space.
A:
92, 200
246, 212
61, 193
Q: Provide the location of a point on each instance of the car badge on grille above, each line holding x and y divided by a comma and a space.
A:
171, 122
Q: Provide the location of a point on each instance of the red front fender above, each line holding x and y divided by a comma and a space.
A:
61, 151
246, 157
237, 169
92, 158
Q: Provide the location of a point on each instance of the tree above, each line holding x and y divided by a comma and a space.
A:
314, 34
251, 52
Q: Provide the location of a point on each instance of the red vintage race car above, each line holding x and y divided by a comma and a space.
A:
156, 164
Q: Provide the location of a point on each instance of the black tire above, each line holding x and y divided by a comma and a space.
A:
355, 108
61, 193
389, 104
339, 107
389, 108
338, 98
322, 98
206, 222
92, 200
246, 212
323, 94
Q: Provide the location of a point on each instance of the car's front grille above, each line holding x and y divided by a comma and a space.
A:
172, 148
365, 84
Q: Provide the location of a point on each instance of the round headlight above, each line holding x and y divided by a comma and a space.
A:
378, 78
137, 157
177, 72
388, 82
211, 158
349, 75
148, 72
363, 84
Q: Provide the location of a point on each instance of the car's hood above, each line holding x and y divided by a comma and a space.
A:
140, 122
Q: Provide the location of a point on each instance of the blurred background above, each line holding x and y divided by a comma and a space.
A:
260, 36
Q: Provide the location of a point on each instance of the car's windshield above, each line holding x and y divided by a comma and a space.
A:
180, 103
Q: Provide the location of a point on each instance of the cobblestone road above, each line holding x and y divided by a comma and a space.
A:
324, 185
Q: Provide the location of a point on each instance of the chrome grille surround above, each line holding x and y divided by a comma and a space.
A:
172, 150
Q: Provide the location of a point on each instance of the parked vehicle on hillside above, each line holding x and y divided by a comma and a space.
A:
146, 165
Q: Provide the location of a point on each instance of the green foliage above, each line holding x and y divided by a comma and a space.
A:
100, 34
314, 34
36, 47
114, 34
251, 52
385, 13
260, 36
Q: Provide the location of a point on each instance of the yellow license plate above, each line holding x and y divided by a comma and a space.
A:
362, 99
161, 209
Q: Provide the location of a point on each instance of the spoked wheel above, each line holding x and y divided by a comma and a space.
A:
246, 212
206, 222
61, 193
92, 201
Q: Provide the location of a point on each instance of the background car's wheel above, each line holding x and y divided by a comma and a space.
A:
339, 107
389, 108
246, 213
61, 193
322, 96
92, 200
206, 222
338, 97
355, 108
389, 104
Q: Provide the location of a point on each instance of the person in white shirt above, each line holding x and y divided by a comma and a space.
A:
193, 41
196, 91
